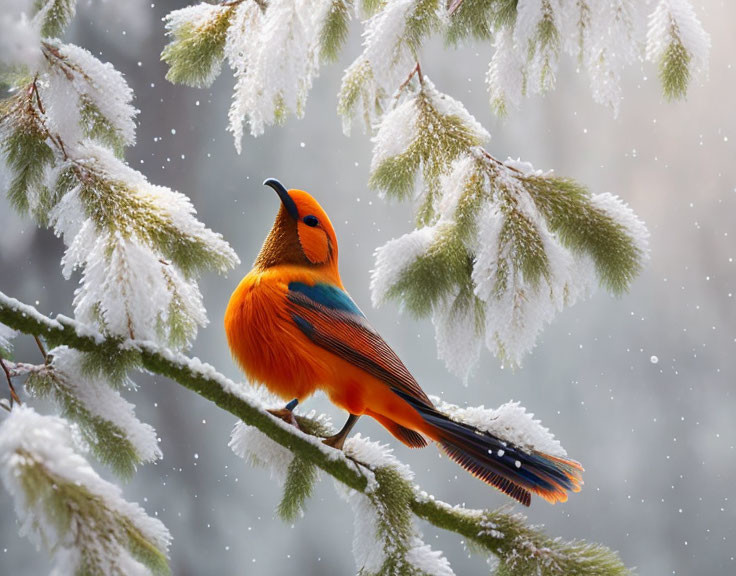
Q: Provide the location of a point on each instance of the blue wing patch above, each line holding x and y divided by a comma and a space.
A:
327, 295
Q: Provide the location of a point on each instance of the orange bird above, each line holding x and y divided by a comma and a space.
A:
292, 326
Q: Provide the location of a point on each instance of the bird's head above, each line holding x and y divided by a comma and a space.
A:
302, 233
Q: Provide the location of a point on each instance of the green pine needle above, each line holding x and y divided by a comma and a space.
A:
548, 41
499, 107
335, 30
392, 500
445, 268
397, 174
583, 228
299, 486
110, 362
472, 18
370, 7
674, 70
179, 326
195, 52
358, 87
504, 13
27, 155
67, 502
107, 442
352, 88
97, 127
440, 139
421, 22
520, 239
57, 16
145, 551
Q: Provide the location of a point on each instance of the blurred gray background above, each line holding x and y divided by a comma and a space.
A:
657, 439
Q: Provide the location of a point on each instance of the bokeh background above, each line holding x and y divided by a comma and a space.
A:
639, 388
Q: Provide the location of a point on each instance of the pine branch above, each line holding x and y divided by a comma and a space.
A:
521, 549
63, 505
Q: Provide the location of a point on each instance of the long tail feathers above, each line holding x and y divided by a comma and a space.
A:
515, 472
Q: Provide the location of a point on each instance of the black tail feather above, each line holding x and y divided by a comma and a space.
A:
516, 472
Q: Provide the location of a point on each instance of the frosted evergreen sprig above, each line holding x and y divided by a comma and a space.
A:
392, 37
106, 420
678, 44
65, 129
275, 49
504, 247
197, 46
98, 100
605, 37
54, 15
64, 506
335, 29
386, 541
427, 131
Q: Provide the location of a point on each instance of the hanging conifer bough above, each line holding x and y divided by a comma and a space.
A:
64, 126
65, 506
500, 248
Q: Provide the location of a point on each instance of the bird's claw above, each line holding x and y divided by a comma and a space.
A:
285, 415
337, 441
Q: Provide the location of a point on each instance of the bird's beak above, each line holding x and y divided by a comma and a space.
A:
283, 193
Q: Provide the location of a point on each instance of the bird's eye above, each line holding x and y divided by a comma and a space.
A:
310, 220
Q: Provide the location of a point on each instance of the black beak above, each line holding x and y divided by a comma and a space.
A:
283, 193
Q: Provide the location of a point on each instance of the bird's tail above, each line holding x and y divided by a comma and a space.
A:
516, 472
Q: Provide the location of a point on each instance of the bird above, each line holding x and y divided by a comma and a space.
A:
292, 326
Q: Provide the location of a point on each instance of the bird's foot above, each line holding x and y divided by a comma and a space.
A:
337, 441
286, 415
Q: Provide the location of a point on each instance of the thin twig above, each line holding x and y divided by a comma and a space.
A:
416, 71
13, 394
454, 6
495, 160
34, 88
40, 347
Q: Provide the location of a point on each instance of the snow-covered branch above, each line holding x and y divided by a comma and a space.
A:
499, 248
275, 48
66, 507
64, 125
64, 130
106, 420
370, 476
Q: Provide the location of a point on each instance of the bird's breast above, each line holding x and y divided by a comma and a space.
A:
266, 342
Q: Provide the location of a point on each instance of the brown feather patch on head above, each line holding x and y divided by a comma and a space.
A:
282, 244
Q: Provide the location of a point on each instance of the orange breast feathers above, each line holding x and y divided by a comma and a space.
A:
265, 341
272, 350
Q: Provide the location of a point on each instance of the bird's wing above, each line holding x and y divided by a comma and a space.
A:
329, 318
